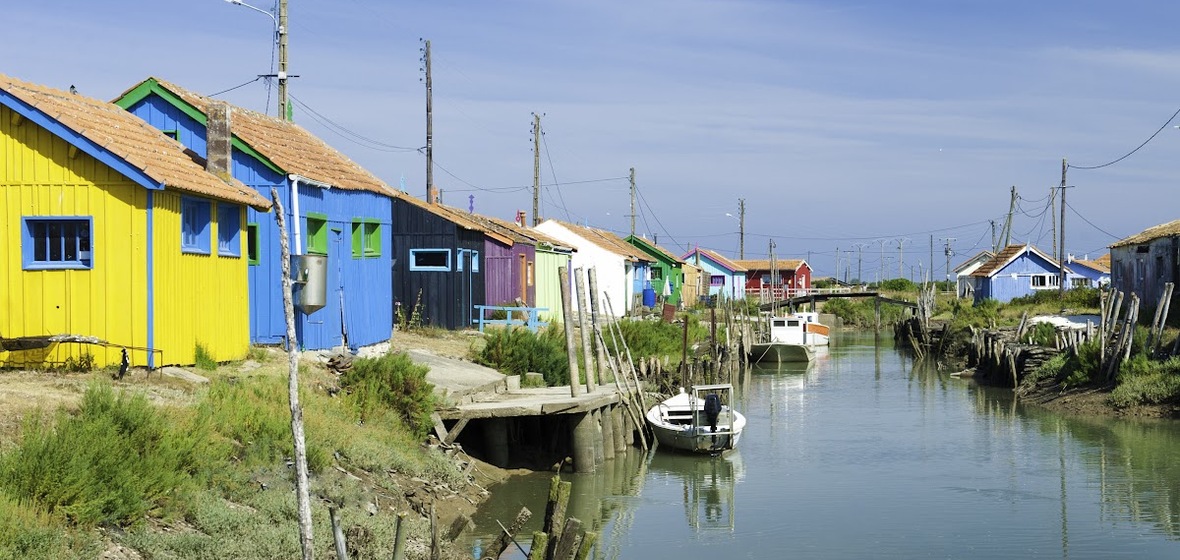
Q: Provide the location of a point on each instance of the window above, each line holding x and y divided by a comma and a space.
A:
229, 226
462, 259
1080, 283
657, 273
172, 133
366, 238
717, 280
57, 243
252, 243
194, 225
430, 260
531, 273
475, 261
317, 234
1043, 281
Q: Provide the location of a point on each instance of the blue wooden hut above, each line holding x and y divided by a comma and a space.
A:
334, 208
1018, 270
720, 276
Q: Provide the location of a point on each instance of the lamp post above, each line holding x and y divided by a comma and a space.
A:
741, 218
900, 258
280, 23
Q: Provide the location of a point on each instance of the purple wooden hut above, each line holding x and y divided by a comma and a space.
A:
511, 259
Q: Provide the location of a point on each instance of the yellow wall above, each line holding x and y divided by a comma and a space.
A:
41, 176
198, 298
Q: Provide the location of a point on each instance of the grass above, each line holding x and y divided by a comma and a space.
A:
215, 473
203, 359
391, 382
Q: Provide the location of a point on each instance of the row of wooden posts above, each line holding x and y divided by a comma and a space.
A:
561, 537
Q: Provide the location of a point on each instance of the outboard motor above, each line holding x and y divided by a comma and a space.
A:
712, 409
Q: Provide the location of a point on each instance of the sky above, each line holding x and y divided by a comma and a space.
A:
867, 137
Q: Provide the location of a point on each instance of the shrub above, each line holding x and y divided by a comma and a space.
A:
982, 314
27, 534
899, 285
1142, 381
1051, 369
395, 382
112, 463
1043, 334
517, 350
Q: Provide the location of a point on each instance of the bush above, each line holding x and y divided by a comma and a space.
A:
979, 315
114, 462
1043, 334
395, 382
898, 285
861, 312
1142, 381
256, 416
517, 350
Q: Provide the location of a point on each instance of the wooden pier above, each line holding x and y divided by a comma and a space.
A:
590, 428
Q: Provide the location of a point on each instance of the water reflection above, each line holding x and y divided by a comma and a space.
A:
707, 486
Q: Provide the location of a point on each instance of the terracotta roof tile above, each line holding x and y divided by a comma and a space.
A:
606, 240
1007, 255
764, 264
132, 140
290, 146
1152, 233
717, 257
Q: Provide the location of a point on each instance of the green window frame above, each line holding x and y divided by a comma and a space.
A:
317, 234
252, 243
366, 238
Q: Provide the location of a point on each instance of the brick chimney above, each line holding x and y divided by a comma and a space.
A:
218, 147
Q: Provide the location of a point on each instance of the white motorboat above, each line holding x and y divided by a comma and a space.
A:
700, 421
790, 338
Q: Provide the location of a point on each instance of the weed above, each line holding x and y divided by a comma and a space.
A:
412, 319
517, 350
395, 382
203, 359
1142, 381
81, 363
1043, 334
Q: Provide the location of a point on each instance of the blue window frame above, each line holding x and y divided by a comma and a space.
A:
462, 258
194, 225
475, 261
432, 260
229, 225
57, 243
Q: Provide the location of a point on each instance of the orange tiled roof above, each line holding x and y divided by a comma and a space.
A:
720, 259
606, 240
764, 264
132, 140
290, 146
1005, 256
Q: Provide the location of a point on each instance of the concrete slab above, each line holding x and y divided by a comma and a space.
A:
532, 402
179, 373
454, 380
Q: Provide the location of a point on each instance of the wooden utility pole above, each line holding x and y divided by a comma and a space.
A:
632, 202
741, 228
1006, 233
284, 109
775, 279
1053, 216
302, 495
1061, 258
536, 169
430, 196
948, 251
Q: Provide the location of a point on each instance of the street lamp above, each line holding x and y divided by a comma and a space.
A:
280, 26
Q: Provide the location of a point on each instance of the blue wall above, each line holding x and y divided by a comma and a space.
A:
365, 284
1003, 287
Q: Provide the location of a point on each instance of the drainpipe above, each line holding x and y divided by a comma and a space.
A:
297, 226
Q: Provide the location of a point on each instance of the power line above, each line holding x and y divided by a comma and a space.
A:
553, 171
1128, 154
244, 84
343, 131
1075, 212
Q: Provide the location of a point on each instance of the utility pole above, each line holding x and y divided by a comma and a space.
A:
993, 223
775, 277
948, 252
284, 109
741, 228
632, 202
1006, 233
881, 265
1061, 258
430, 196
859, 256
1053, 216
900, 260
536, 169
836, 276
932, 256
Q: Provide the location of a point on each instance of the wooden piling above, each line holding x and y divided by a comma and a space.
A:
563, 277
600, 351
607, 419
583, 441
584, 330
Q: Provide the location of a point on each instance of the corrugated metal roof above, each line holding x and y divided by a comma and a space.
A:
289, 146
764, 264
1150, 234
131, 139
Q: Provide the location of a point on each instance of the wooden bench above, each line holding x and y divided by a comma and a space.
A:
533, 321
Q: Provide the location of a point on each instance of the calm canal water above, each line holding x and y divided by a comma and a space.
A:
861, 455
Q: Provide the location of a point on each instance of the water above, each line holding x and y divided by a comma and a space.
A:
860, 455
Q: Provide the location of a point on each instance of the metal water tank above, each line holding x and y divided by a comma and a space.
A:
309, 274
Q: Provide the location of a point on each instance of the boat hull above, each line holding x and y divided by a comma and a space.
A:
780, 352
697, 439
684, 421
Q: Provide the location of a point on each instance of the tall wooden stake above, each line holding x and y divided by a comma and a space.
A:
301, 489
592, 284
563, 275
584, 330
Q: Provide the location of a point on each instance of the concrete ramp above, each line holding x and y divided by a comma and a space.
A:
458, 381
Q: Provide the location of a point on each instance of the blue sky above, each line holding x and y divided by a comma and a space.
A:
844, 125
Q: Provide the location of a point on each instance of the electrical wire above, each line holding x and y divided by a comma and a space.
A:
343, 131
242, 85
1128, 154
553, 171
1075, 212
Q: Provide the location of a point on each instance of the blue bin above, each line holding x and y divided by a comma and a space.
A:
649, 297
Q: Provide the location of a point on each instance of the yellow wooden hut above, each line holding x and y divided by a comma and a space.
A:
116, 241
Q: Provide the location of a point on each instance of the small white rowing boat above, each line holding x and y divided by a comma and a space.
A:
701, 421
